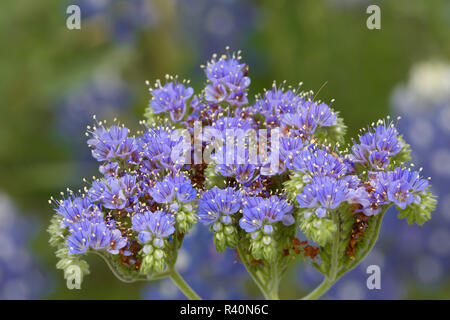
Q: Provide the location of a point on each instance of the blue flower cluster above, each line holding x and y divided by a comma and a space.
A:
135, 206
424, 112
362, 177
253, 174
376, 147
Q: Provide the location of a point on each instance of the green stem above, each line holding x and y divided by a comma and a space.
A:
183, 286
120, 274
272, 292
320, 290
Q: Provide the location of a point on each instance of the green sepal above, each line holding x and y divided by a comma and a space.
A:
225, 236
263, 246
153, 261
185, 218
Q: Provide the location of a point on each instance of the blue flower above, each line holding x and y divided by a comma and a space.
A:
301, 123
308, 117
171, 97
163, 191
290, 147
114, 196
416, 183
400, 186
99, 236
153, 226
398, 192
321, 113
177, 184
78, 242
227, 81
115, 193
245, 173
116, 241
276, 102
376, 146
186, 193
128, 184
387, 139
218, 203
109, 169
95, 192
111, 143
206, 112
232, 124
157, 145
379, 159
324, 193
262, 213
78, 209
317, 162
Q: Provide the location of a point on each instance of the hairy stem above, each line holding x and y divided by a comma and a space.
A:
320, 289
274, 283
183, 286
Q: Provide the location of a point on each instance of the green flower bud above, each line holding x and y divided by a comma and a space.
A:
262, 246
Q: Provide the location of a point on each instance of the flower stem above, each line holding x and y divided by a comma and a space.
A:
320, 290
183, 286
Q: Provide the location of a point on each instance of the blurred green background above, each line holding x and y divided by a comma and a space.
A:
49, 77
